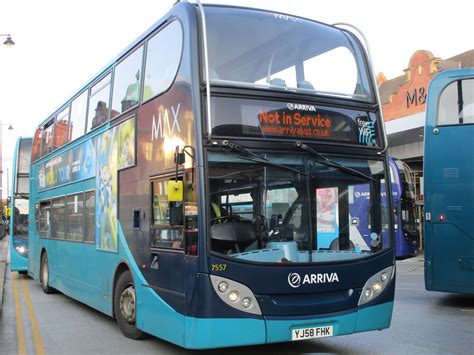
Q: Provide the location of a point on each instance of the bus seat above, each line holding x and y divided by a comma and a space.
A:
217, 211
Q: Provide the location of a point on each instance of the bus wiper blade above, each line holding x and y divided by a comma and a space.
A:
238, 148
257, 158
325, 161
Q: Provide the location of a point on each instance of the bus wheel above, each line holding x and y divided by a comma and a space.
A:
125, 306
44, 274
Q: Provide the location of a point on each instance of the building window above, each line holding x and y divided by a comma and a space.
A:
127, 83
75, 217
99, 103
162, 60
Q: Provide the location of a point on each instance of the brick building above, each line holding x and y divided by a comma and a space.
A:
404, 99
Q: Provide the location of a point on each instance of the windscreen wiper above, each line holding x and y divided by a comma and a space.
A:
325, 161
257, 158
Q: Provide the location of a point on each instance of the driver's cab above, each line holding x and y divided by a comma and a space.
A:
247, 217
233, 219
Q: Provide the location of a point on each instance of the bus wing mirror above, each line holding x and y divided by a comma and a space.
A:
175, 190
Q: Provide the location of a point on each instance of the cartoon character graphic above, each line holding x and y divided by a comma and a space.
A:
106, 191
126, 144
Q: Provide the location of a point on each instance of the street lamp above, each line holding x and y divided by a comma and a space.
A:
8, 42
10, 127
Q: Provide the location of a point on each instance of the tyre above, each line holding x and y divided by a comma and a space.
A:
44, 274
125, 306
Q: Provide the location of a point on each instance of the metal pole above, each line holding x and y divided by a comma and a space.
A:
8, 183
206, 71
1, 171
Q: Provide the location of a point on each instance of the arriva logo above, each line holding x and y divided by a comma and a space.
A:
295, 281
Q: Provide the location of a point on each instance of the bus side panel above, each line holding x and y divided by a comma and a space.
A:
449, 176
452, 269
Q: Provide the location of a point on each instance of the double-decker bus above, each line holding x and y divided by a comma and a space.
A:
19, 206
404, 214
449, 182
134, 175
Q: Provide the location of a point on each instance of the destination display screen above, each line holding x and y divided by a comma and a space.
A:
233, 117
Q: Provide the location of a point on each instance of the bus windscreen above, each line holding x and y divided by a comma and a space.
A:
282, 52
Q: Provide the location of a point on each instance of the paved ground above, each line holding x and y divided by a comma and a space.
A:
423, 322
3, 266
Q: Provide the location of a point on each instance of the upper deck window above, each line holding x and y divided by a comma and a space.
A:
162, 60
456, 103
265, 50
47, 138
127, 83
78, 117
36, 148
61, 130
99, 103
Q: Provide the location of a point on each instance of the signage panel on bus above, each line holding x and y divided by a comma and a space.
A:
269, 119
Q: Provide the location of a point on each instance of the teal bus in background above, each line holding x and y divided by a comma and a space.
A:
449, 183
19, 206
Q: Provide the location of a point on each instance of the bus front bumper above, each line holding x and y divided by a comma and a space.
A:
204, 333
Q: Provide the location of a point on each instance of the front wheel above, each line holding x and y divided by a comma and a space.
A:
125, 309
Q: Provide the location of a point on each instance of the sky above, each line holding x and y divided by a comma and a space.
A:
60, 45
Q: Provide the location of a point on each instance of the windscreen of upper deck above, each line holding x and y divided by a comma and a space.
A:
270, 51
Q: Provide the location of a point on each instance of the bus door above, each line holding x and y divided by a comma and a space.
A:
173, 236
450, 189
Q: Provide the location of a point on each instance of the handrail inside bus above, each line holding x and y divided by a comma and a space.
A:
371, 68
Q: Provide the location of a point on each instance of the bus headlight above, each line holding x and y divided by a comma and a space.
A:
376, 284
22, 250
223, 286
246, 302
235, 294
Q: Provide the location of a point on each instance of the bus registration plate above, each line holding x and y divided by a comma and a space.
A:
310, 333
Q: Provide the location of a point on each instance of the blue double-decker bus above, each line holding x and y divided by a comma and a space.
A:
449, 182
406, 226
19, 206
139, 177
